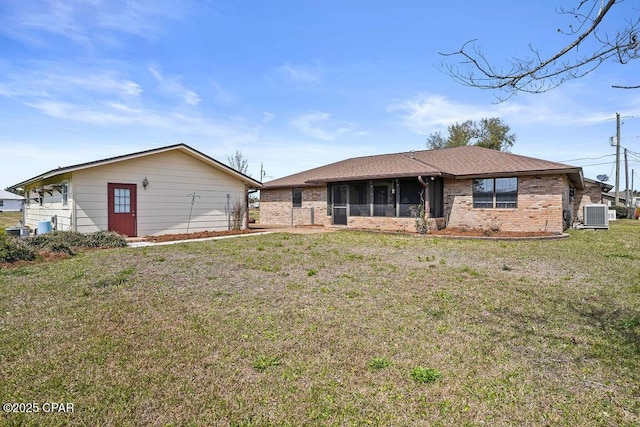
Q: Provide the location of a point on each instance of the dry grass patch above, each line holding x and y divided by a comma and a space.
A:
239, 332
9, 219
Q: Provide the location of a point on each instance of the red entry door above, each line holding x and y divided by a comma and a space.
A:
122, 200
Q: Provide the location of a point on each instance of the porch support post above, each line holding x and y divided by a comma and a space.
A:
396, 183
370, 198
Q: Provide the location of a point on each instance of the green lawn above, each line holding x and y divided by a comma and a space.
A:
344, 328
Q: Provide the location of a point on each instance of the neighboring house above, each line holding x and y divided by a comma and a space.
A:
609, 197
598, 188
465, 187
10, 202
166, 190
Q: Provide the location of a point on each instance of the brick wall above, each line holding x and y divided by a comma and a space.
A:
276, 206
541, 201
540, 205
382, 223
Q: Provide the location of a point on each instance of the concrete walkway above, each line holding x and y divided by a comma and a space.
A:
267, 230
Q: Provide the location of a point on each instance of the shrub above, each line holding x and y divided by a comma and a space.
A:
621, 211
105, 239
13, 249
238, 212
57, 240
57, 247
423, 223
68, 238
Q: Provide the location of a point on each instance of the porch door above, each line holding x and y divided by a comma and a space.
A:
381, 200
436, 198
122, 205
339, 197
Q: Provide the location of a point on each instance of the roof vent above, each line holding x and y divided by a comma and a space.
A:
412, 154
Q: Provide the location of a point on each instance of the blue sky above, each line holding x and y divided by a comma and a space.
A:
293, 85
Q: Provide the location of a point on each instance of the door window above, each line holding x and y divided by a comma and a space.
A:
121, 200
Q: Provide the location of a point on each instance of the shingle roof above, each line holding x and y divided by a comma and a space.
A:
6, 195
458, 162
181, 147
369, 167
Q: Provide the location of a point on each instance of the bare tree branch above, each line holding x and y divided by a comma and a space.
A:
537, 74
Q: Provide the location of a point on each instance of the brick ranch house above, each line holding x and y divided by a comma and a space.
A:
462, 187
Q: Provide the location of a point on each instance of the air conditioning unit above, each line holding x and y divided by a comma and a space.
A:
596, 216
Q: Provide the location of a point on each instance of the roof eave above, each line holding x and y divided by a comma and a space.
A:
315, 182
182, 147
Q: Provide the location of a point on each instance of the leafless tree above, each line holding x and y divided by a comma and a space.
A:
238, 214
238, 162
537, 74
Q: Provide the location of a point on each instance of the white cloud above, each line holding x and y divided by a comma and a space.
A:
322, 126
171, 85
53, 81
74, 94
88, 22
427, 113
267, 117
307, 124
300, 74
424, 114
118, 114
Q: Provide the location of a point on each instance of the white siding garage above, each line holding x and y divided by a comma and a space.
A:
147, 193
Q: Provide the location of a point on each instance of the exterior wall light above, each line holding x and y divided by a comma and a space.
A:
145, 182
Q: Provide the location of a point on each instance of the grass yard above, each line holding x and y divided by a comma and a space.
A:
9, 219
343, 328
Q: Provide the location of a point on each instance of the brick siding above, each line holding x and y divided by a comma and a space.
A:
541, 201
276, 206
540, 205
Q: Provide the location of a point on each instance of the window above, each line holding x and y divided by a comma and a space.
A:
297, 197
65, 194
495, 193
1, 203
506, 193
121, 200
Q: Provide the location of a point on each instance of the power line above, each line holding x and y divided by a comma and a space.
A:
599, 164
587, 158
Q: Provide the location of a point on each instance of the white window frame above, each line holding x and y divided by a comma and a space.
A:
65, 194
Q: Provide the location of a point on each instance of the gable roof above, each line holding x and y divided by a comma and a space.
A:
458, 163
179, 147
6, 195
604, 187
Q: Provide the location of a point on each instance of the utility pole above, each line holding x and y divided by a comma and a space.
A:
626, 173
633, 193
616, 201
